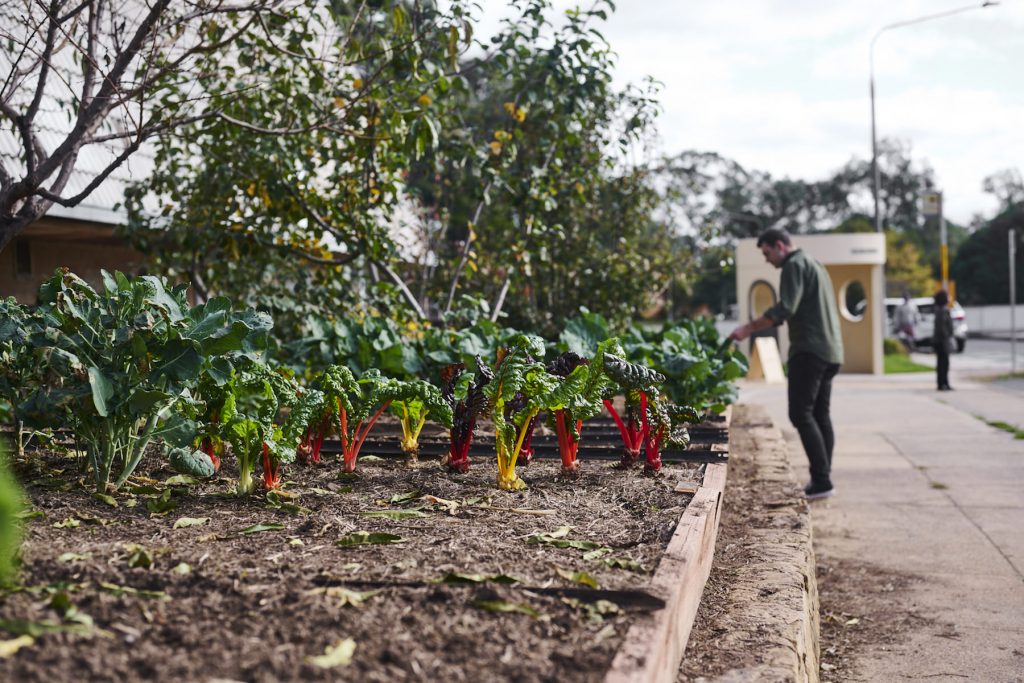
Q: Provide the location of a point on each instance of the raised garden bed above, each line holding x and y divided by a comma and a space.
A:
261, 588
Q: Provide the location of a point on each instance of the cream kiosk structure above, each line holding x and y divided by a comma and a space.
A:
854, 262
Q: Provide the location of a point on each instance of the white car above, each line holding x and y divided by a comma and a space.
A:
925, 326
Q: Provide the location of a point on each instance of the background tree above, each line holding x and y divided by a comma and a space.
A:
533, 168
981, 269
284, 201
118, 74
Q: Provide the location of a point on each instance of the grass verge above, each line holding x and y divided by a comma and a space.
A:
897, 362
1017, 432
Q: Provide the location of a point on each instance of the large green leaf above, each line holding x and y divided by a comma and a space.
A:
102, 390
182, 360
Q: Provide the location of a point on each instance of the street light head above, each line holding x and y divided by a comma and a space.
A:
989, 3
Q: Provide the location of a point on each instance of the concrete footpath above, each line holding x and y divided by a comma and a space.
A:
926, 488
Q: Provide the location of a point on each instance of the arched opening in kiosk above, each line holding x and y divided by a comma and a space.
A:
760, 298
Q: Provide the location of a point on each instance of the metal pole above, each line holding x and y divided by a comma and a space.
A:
1012, 234
943, 247
874, 140
874, 146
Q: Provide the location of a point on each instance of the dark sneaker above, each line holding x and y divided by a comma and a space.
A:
817, 491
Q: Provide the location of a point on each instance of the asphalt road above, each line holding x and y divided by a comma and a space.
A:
982, 356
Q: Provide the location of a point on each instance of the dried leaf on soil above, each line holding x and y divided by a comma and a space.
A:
339, 654
393, 514
366, 538
257, 528
577, 577
505, 606
9, 647
478, 578
184, 522
128, 590
73, 557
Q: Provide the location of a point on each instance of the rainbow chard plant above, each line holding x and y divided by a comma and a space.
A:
357, 405
515, 395
412, 403
637, 382
309, 424
665, 426
250, 412
464, 393
584, 383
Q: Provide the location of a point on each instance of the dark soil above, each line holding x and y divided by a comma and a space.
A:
861, 611
217, 603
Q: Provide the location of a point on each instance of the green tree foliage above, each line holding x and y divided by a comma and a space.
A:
284, 199
528, 184
510, 162
981, 268
905, 270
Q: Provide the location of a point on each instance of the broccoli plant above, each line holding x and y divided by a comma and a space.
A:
464, 393
19, 367
118, 362
412, 403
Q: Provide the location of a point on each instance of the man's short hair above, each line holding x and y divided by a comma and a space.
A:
773, 236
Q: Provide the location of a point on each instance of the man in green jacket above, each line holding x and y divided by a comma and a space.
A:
807, 302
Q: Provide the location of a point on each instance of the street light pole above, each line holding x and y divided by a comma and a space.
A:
875, 174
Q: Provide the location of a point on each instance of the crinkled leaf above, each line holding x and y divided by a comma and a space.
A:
191, 461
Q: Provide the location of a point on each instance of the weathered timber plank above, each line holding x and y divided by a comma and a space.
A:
655, 643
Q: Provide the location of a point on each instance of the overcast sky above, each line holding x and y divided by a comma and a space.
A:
782, 85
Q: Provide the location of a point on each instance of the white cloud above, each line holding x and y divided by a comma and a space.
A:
782, 85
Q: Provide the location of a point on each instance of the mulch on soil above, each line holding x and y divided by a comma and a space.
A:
215, 602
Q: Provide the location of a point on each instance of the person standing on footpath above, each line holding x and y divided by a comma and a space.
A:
807, 303
906, 318
942, 339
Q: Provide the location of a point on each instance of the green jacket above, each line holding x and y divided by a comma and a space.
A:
807, 302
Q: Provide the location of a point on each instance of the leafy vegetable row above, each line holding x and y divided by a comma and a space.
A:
137, 363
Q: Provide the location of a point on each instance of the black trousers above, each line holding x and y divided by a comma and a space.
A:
942, 365
810, 395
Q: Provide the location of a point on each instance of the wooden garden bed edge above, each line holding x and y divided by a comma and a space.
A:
654, 645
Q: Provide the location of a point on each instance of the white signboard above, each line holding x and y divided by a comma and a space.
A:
931, 204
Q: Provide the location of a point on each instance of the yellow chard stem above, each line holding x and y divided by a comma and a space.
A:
522, 434
419, 427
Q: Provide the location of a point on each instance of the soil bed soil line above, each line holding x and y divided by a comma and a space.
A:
400, 572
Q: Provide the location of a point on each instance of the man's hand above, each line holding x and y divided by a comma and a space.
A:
744, 331
740, 333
